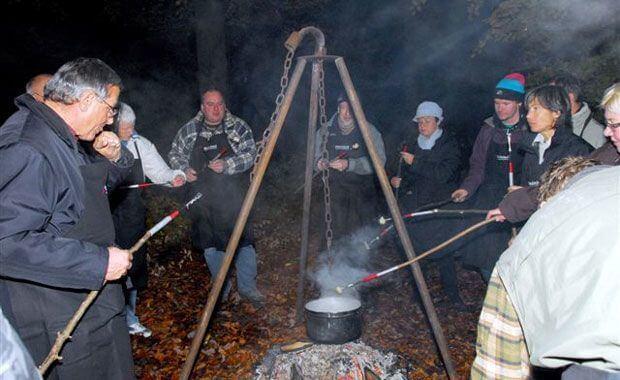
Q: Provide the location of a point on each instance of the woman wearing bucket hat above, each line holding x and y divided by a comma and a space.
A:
430, 173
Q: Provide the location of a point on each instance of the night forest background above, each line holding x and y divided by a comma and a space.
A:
399, 53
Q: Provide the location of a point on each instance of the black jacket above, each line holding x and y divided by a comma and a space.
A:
45, 274
41, 196
522, 203
434, 174
563, 144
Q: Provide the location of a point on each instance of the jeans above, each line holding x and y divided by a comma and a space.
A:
245, 262
130, 306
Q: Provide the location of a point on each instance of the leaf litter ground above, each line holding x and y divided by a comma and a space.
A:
239, 336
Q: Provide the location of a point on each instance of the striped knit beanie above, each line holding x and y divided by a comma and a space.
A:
511, 87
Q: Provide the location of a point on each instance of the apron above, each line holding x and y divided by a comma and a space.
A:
483, 247
353, 196
129, 214
100, 347
215, 214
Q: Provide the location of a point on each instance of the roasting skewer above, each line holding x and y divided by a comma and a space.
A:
400, 169
143, 185
373, 276
429, 206
62, 336
340, 156
220, 154
511, 170
368, 244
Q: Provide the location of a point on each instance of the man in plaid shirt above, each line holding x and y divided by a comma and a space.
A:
215, 150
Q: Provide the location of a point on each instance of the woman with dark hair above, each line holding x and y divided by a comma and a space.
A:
550, 137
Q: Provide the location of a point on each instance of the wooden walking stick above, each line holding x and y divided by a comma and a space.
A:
65, 334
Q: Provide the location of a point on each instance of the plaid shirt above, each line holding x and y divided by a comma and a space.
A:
501, 352
237, 132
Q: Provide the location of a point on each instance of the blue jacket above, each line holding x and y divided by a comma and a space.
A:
41, 197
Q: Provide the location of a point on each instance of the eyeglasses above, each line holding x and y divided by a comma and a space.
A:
613, 125
112, 110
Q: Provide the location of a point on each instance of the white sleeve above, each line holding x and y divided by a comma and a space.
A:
154, 166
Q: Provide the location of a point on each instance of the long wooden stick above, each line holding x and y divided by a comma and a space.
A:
242, 219
65, 334
438, 247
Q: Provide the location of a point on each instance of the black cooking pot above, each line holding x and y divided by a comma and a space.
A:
334, 320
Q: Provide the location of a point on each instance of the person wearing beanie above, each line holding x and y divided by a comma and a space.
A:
351, 181
520, 204
430, 161
494, 153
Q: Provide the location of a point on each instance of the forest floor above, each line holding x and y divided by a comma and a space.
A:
239, 335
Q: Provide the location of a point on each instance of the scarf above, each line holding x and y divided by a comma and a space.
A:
427, 143
347, 128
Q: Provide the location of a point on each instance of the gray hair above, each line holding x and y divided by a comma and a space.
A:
30, 84
79, 75
126, 114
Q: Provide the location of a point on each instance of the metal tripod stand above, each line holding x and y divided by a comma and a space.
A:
275, 128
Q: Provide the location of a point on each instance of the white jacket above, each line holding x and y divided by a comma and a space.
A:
153, 165
562, 274
593, 132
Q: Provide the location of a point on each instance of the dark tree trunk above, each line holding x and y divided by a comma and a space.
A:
211, 45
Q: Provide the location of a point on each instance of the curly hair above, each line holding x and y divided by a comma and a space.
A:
555, 178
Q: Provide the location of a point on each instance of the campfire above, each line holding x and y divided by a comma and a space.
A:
353, 360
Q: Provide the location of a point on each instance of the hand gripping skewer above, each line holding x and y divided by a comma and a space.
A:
340, 156
53, 355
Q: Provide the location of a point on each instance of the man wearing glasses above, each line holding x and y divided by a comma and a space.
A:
56, 231
520, 204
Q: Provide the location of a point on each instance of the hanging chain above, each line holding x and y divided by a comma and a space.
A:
325, 156
260, 146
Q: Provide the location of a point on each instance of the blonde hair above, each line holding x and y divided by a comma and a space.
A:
557, 175
611, 98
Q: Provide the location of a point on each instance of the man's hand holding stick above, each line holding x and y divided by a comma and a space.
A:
118, 265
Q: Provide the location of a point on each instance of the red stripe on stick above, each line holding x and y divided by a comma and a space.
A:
370, 277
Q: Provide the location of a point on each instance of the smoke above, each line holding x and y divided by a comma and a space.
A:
350, 261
